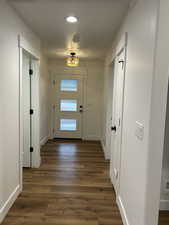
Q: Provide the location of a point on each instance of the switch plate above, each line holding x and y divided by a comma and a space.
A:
139, 131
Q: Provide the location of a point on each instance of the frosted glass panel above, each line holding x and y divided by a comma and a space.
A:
69, 85
68, 105
68, 125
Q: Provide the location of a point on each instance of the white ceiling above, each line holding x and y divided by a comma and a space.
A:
98, 22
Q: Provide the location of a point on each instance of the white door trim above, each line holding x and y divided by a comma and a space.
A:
122, 46
24, 45
27, 46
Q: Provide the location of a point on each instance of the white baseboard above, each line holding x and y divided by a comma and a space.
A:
91, 138
164, 205
105, 152
111, 177
122, 211
44, 140
4, 210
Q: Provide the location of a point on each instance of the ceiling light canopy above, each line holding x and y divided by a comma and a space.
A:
72, 60
71, 19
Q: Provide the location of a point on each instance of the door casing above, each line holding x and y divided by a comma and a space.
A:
117, 112
26, 81
25, 46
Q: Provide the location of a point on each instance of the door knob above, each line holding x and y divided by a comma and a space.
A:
113, 128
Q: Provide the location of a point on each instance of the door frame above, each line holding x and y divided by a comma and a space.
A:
24, 45
84, 85
109, 107
122, 46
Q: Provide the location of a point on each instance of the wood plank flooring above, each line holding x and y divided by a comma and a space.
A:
164, 218
71, 187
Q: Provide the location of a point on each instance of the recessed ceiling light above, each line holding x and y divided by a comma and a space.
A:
71, 19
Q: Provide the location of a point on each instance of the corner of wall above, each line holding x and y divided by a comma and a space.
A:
44, 140
8, 204
106, 155
122, 211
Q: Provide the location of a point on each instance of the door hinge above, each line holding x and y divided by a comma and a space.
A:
30, 72
114, 128
31, 111
31, 149
122, 62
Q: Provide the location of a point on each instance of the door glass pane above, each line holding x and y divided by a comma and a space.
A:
68, 85
68, 125
68, 105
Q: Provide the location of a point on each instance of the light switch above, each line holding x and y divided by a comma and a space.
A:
139, 131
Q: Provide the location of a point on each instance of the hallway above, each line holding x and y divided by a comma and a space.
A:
71, 187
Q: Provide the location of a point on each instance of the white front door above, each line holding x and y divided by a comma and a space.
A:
117, 118
68, 107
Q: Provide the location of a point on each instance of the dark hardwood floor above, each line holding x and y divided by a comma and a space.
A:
71, 187
164, 218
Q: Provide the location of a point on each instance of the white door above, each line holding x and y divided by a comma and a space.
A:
68, 107
35, 124
117, 119
109, 110
26, 110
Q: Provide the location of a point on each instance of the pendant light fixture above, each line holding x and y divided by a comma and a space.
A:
72, 60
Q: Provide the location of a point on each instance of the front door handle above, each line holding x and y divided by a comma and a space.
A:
113, 128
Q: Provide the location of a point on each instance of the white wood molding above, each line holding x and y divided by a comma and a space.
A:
24, 45
27, 46
106, 156
91, 138
8, 204
44, 140
122, 211
36, 158
122, 44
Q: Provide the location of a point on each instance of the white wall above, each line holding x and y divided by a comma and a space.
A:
45, 101
165, 172
158, 114
140, 23
93, 72
10, 27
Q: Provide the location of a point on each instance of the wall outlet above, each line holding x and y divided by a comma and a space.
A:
139, 131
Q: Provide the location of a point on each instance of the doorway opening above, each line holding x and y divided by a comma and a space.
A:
29, 107
30, 104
